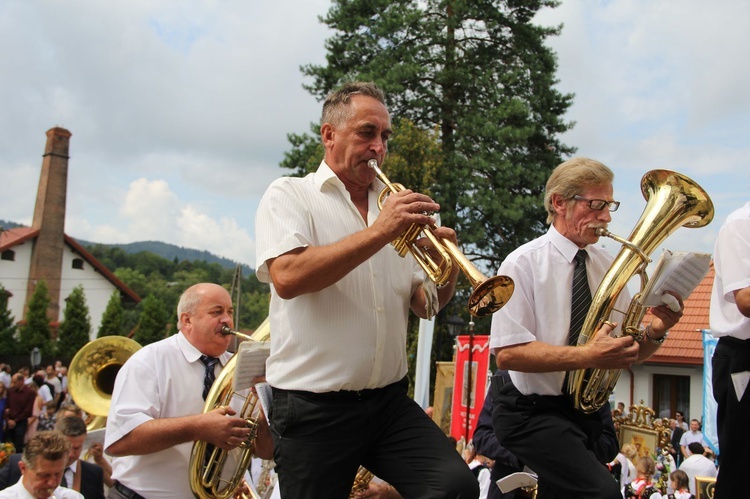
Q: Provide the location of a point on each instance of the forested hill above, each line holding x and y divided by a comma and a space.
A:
172, 252
164, 250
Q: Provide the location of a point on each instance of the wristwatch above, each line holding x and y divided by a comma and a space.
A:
657, 341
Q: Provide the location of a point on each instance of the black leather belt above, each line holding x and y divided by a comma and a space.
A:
130, 494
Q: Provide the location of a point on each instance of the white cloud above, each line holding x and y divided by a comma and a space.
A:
184, 106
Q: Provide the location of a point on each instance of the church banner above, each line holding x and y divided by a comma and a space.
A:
464, 416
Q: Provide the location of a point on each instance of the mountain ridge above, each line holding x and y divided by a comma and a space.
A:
162, 249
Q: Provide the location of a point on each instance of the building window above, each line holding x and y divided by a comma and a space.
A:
9, 255
671, 394
77, 263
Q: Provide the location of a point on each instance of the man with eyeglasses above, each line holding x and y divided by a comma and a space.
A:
534, 337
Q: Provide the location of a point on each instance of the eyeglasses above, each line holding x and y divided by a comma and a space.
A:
599, 204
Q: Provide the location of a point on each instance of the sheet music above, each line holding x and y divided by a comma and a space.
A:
263, 390
679, 272
251, 362
515, 481
93, 437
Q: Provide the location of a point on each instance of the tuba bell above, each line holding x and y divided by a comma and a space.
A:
672, 201
92, 373
489, 295
216, 473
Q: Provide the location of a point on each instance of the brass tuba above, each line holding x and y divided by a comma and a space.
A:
672, 201
208, 477
489, 295
92, 373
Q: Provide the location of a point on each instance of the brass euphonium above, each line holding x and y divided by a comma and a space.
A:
673, 201
92, 373
208, 477
489, 295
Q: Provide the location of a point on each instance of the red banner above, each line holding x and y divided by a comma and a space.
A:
469, 385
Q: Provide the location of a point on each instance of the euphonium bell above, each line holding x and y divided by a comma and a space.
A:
92, 373
672, 201
489, 295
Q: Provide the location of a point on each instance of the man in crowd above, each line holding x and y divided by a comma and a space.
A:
340, 298
19, 407
78, 475
693, 435
535, 334
41, 467
697, 464
675, 433
730, 322
156, 411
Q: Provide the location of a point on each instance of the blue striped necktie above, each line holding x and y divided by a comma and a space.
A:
209, 377
581, 299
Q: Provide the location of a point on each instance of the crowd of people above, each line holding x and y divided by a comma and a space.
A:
339, 309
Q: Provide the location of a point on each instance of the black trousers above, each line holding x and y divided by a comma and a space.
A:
561, 445
732, 417
17, 434
321, 439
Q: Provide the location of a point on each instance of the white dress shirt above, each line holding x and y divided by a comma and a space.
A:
18, 491
161, 380
732, 265
539, 309
352, 334
697, 465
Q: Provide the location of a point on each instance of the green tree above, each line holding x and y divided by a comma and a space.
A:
75, 329
152, 325
480, 74
36, 332
112, 318
8, 342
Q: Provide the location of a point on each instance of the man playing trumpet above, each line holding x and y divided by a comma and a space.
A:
339, 307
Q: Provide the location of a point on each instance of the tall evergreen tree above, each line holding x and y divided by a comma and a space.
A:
152, 325
480, 73
75, 329
112, 318
36, 331
8, 342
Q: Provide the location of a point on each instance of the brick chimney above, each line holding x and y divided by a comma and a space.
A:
49, 218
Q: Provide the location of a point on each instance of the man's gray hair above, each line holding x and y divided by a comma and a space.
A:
71, 426
572, 177
336, 109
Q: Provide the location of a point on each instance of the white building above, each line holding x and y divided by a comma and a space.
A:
44, 252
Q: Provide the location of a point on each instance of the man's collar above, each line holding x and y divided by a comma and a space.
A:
192, 354
565, 246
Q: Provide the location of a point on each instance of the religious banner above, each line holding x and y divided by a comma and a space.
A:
470, 384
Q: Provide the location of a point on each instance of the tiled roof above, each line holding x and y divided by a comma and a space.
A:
16, 236
685, 342
13, 237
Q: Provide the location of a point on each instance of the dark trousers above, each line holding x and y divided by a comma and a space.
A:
557, 442
732, 417
321, 439
17, 434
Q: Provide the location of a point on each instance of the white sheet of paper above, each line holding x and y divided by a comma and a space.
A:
263, 390
251, 362
740, 380
93, 437
515, 481
677, 271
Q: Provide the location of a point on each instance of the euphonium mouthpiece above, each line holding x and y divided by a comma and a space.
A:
373, 163
226, 331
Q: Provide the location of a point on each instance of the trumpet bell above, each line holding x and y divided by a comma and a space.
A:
92, 372
491, 295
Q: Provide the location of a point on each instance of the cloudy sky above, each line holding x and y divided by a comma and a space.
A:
180, 109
